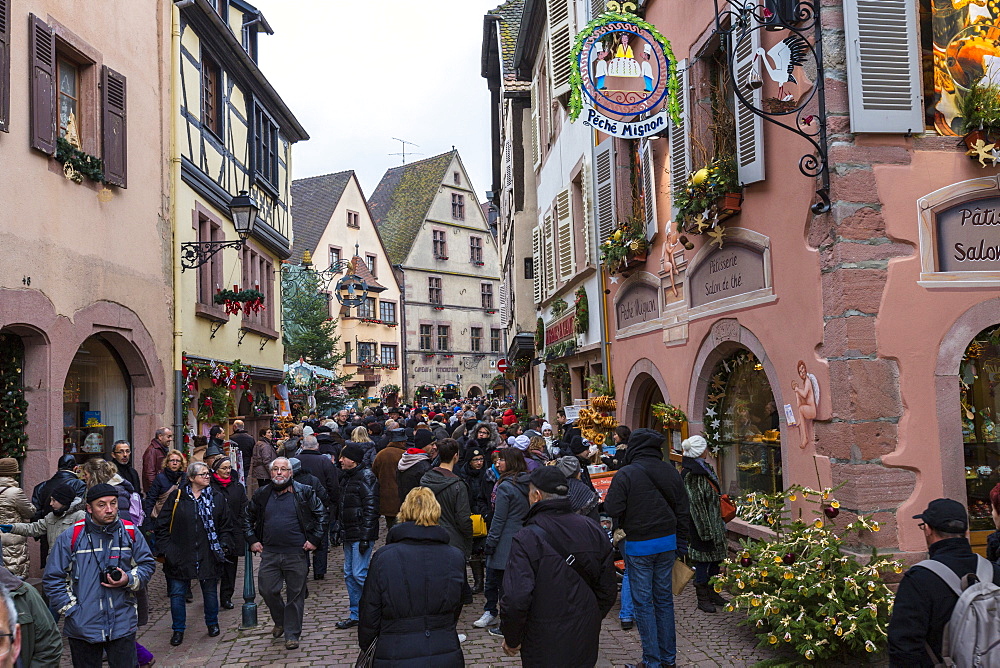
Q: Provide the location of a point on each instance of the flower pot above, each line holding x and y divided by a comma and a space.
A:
974, 136
729, 204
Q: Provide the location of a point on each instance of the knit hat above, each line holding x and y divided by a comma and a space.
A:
8, 467
100, 491
307, 431
569, 465
472, 453
397, 435
217, 464
576, 446
354, 452
522, 442
546, 425
422, 438
694, 446
550, 480
63, 494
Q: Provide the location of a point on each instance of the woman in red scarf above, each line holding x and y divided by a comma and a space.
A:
226, 484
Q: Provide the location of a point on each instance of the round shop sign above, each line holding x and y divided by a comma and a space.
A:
623, 69
351, 290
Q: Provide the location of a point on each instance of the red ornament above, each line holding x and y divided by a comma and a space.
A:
233, 386
789, 559
746, 561
215, 381
831, 512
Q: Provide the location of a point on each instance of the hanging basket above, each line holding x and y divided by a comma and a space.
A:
236, 300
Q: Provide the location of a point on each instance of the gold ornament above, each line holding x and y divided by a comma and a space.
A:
700, 176
105, 195
982, 152
717, 235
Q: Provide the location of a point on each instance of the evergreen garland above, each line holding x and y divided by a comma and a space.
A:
582, 323
13, 406
81, 162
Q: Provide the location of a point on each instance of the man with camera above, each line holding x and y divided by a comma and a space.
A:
93, 572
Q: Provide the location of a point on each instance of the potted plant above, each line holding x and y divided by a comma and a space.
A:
980, 110
625, 247
715, 189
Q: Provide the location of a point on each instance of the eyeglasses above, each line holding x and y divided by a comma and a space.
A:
206, 473
6, 651
282, 470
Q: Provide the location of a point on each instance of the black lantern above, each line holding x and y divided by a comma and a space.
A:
243, 209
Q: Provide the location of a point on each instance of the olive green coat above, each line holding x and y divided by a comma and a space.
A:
708, 531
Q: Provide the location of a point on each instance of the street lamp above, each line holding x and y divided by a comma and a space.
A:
244, 209
249, 594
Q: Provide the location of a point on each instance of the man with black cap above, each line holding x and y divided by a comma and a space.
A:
559, 582
924, 601
359, 511
91, 577
416, 461
386, 470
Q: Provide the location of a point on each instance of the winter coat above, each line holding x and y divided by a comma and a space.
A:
509, 417
386, 469
181, 537
73, 583
993, 547
128, 474
369, 449
479, 494
706, 531
924, 604
412, 466
412, 599
319, 465
508, 518
245, 442
14, 507
41, 642
309, 512
52, 525
152, 463
260, 463
549, 610
161, 485
330, 444
359, 509
235, 495
635, 502
125, 491
43, 491
309, 479
452, 495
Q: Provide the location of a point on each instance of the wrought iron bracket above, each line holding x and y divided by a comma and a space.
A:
243, 332
196, 253
292, 276
263, 342
801, 18
216, 326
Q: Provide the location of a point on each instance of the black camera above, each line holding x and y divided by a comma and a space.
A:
110, 574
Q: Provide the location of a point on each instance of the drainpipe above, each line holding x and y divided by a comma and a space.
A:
175, 181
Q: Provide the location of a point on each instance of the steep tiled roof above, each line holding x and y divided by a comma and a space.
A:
313, 202
360, 268
401, 202
509, 24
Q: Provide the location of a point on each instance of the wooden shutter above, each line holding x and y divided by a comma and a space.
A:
114, 135
548, 256
560, 45
604, 188
536, 142
883, 66
564, 234
597, 7
42, 54
586, 218
648, 187
4, 65
680, 138
536, 263
749, 126
504, 303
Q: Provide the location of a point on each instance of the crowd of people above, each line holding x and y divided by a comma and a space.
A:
474, 502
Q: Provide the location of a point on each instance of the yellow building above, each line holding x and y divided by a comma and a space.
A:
231, 133
333, 225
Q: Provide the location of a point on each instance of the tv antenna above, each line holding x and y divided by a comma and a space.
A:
403, 153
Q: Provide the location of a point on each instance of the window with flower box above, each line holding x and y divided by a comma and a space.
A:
476, 250
443, 333
389, 355
366, 353
366, 309
434, 290
387, 312
486, 293
425, 337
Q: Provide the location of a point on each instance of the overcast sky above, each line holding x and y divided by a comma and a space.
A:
357, 74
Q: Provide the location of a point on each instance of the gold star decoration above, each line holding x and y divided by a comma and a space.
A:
717, 235
982, 151
718, 384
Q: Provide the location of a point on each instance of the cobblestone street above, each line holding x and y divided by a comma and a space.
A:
700, 641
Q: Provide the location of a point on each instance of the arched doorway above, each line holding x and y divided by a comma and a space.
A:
97, 400
979, 380
475, 391
14, 416
742, 417
646, 393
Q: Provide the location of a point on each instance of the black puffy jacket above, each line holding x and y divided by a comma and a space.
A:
549, 610
309, 511
359, 504
182, 540
479, 495
636, 503
412, 599
320, 465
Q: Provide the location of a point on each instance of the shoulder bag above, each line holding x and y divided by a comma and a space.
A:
160, 501
726, 506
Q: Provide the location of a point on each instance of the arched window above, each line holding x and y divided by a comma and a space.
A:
97, 400
979, 378
745, 422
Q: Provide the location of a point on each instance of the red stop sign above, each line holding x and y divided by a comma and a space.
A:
502, 365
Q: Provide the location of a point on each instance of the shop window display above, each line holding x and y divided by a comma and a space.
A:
979, 377
742, 420
97, 403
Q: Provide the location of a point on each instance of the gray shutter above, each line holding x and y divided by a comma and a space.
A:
114, 131
536, 264
883, 66
749, 126
597, 7
680, 138
4, 65
42, 85
564, 234
549, 256
604, 188
648, 187
560, 45
536, 141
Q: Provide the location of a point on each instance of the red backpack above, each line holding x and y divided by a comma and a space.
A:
78, 529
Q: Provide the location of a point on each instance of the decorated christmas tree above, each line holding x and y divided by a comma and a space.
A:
13, 406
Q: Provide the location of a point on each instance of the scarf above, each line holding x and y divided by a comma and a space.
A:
225, 482
205, 507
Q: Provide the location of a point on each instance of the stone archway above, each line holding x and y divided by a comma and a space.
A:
642, 378
475, 391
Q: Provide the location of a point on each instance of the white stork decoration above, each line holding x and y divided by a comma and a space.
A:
786, 56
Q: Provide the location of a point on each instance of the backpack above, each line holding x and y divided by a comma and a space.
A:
78, 529
972, 636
